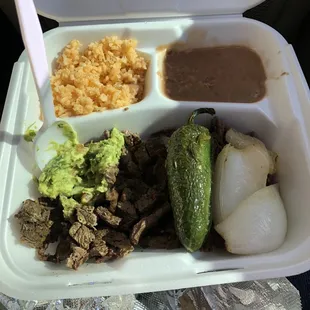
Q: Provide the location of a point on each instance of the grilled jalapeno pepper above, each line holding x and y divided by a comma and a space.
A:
189, 181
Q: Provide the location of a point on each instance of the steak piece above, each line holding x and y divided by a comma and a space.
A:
110, 255
55, 231
129, 166
106, 135
160, 173
125, 159
148, 222
99, 235
63, 250
126, 195
137, 186
146, 201
99, 247
77, 258
127, 224
165, 225
35, 224
108, 217
48, 202
122, 252
131, 139
81, 234
218, 131
86, 216
120, 241
112, 197
33, 212
137, 231
99, 251
141, 156
43, 256
219, 128
133, 170
35, 235
157, 146
126, 209
65, 226
111, 174
117, 239
128, 213
161, 242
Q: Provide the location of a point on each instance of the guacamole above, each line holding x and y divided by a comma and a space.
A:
100, 157
69, 205
61, 175
68, 132
79, 169
30, 133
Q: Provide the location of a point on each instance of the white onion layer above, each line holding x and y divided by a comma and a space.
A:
258, 224
238, 174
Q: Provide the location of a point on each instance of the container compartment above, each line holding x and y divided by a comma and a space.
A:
56, 41
249, 34
139, 266
277, 120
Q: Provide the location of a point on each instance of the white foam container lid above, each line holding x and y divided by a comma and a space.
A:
280, 120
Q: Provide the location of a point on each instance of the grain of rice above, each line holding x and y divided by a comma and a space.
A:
109, 74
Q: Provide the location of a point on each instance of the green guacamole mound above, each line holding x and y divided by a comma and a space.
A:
62, 174
79, 169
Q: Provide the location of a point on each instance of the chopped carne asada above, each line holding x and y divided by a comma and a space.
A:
141, 156
112, 197
161, 242
110, 255
157, 146
111, 175
35, 234
127, 195
77, 258
86, 216
81, 234
35, 222
218, 132
131, 140
130, 209
108, 217
146, 201
99, 251
33, 212
126, 209
63, 249
119, 241
104, 225
129, 167
148, 222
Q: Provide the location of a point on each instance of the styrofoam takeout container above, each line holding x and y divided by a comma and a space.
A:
280, 120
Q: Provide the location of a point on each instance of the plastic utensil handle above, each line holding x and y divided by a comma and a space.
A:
33, 40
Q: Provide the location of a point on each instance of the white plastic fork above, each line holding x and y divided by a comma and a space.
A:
34, 43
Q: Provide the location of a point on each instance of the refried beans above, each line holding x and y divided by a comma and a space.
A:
216, 74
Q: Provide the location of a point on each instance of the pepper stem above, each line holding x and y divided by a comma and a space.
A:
200, 111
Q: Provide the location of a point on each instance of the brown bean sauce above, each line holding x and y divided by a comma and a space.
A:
216, 74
